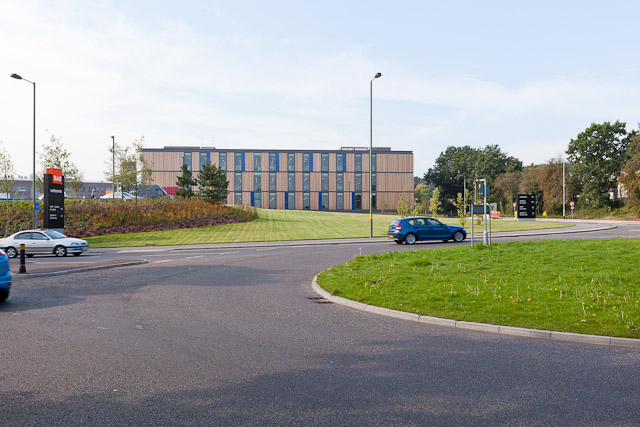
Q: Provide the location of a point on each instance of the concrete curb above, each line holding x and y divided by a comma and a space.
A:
80, 270
483, 327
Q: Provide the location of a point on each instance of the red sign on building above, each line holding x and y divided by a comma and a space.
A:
56, 175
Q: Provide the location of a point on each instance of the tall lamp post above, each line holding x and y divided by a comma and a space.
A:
113, 177
33, 184
371, 153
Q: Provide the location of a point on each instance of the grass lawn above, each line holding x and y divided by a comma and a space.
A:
276, 225
590, 287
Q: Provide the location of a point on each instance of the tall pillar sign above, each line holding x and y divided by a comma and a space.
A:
53, 199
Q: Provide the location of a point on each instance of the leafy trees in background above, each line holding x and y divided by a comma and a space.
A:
421, 196
436, 202
54, 155
457, 163
185, 183
505, 190
212, 183
6, 172
597, 156
630, 176
131, 169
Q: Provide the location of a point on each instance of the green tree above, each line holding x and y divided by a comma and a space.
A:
630, 176
505, 190
460, 208
54, 155
404, 206
185, 183
597, 155
6, 172
212, 183
132, 171
435, 203
421, 196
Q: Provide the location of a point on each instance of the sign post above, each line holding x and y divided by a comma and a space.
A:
53, 200
526, 206
571, 205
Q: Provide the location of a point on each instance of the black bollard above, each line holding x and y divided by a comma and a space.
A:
23, 267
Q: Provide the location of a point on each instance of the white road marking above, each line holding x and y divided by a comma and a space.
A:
265, 249
197, 256
162, 260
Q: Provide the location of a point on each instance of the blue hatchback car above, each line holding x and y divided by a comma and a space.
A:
5, 276
416, 228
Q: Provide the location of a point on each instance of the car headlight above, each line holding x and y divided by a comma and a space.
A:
74, 243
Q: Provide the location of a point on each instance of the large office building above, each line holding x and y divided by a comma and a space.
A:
336, 180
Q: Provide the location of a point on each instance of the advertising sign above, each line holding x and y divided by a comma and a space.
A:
526, 206
53, 199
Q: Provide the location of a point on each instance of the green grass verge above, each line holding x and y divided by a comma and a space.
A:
589, 287
277, 225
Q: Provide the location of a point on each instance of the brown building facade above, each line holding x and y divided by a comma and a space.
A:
296, 179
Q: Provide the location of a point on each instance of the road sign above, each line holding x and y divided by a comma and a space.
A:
482, 186
477, 209
572, 204
526, 206
37, 207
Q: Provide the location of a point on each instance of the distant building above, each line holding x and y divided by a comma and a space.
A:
295, 179
21, 190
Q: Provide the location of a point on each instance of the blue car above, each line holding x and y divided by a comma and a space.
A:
412, 229
5, 276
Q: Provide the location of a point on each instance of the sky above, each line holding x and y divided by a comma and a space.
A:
286, 74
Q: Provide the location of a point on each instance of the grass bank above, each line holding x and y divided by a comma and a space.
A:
278, 225
590, 287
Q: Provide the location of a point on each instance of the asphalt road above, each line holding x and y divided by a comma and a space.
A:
234, 335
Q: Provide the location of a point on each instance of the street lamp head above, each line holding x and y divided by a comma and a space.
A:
15, 76
378, 75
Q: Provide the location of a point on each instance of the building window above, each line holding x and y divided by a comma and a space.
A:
291, 201
272, 181
291, 162
187, 160
306, 162
223, 161
305, 181
237, 198
324, 201
237, 182
340, 201
358, 162
339, 182
272, 200
237, 162
204, 158
257, 162
325, 182
273, 162
374, 203
257, 181
325, 162
373, 181
373, 162
358, 184
340, 162
358, 201
306, 201
257, 199
291, 181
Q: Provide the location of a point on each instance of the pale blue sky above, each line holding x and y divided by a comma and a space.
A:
295, 75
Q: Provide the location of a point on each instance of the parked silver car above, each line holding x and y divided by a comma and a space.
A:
43, 242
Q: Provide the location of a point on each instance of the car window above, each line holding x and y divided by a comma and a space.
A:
38, 236
23, 236
54, 234
435, 222
419, 221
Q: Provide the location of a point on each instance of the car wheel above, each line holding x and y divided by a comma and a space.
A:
11, 252
3, 295
398, 241
458, 236
60, 251
410, 239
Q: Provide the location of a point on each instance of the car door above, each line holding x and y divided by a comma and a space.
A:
418, 228
437, 230
23, 238
41, 243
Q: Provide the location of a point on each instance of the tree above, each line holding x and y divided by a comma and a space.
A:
630, 176
505, 190
435, 203
212, 183
456, 164
421, 196
185, 183
56, 156
597, 155
131, 169
460, 208
6, 172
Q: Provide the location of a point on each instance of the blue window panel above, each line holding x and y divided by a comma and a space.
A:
252, 201
344, 161
286, 200
243, 171
353, 201
277, 162
311, 162
319, 200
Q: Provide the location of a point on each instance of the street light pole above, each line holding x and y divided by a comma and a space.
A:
33, 184
371, 153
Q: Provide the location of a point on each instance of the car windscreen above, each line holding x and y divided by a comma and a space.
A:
54, 234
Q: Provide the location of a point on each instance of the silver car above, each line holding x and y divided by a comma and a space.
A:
42, 242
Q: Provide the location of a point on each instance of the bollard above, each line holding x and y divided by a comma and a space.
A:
23, 267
